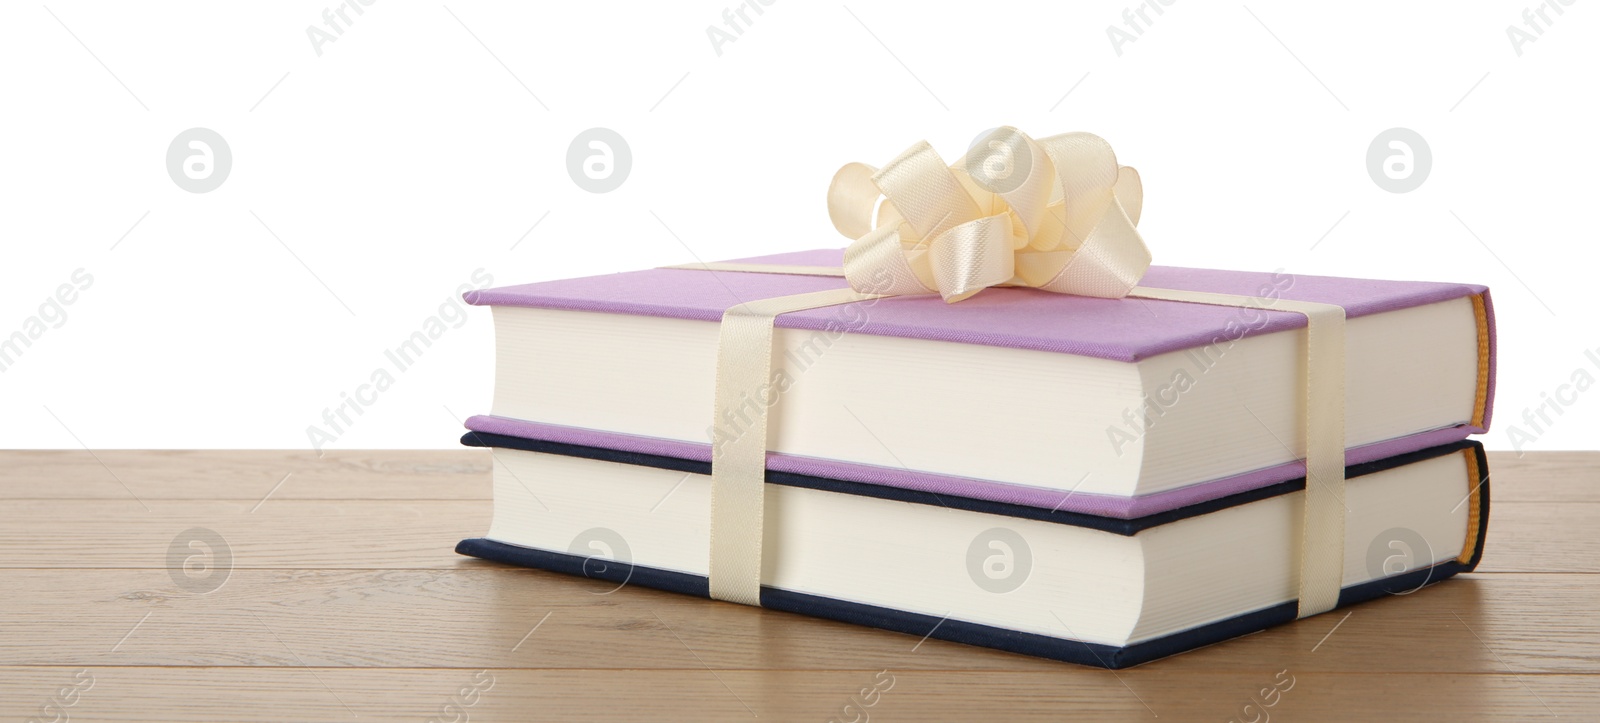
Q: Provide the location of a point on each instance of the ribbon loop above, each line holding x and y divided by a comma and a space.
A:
851, 198
876, 261
1107, 263
925, 193
972, 257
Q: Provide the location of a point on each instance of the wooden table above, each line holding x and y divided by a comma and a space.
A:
343, 600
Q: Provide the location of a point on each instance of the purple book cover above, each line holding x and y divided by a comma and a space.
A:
1116, 329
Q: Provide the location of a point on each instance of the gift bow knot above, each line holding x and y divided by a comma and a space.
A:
1056, 214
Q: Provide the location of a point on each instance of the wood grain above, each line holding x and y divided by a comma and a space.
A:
353, 694
1545, 476
345, 599
458, 474
481, 614
399, 534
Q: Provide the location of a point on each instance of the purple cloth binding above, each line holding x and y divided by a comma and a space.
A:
1086, 503
1116, 329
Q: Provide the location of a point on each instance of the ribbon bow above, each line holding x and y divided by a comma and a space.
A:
1056, 214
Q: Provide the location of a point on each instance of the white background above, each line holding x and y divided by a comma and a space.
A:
410, 154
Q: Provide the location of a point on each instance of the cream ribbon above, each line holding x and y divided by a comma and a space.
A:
739, 466
1058, 215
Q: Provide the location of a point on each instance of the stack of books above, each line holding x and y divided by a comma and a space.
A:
1101, 481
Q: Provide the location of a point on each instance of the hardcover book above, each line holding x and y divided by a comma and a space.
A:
1055, 583
1120, 408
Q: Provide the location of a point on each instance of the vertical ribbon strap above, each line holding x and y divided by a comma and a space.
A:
1322, 520
744, 391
